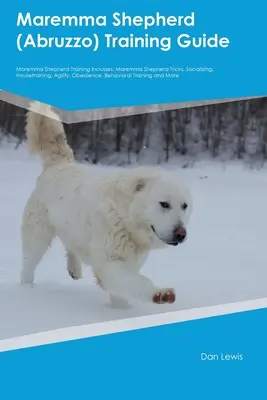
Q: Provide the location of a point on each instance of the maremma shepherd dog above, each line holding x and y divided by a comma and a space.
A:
107, 220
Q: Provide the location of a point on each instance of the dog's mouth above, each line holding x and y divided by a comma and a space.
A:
168, 242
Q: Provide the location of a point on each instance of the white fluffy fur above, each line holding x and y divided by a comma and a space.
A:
103, 219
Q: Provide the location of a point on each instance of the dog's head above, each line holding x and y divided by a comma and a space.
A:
160, 207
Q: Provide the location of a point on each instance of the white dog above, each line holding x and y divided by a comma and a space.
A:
109, 221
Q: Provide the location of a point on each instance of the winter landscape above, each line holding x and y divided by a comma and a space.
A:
220, 150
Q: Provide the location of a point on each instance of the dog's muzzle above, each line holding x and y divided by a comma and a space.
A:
178, 236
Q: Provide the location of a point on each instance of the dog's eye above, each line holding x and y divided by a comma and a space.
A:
165, 204
184, 206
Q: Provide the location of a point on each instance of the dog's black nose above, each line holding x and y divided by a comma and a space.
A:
179, 233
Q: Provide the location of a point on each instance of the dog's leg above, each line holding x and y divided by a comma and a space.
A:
74, 266
36, 237
122, 283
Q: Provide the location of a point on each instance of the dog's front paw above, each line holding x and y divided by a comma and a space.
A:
164, 296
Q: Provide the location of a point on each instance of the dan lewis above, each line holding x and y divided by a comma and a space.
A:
221, 357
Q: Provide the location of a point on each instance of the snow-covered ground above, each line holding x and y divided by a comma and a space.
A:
224, 259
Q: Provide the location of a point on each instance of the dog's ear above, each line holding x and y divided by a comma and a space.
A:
140, 185
138, 179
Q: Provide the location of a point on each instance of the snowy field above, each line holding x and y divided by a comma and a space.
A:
224, 259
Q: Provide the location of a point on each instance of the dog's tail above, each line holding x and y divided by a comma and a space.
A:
46, 136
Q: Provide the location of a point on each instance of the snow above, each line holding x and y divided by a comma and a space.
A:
223, 261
